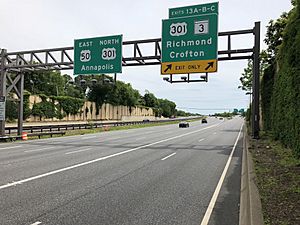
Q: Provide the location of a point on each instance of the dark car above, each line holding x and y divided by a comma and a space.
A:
184, 124
203, 121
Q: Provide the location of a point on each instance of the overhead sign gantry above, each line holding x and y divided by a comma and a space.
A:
13, 65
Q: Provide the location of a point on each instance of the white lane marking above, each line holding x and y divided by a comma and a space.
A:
96, 160
169, 156
36, 223
213, 200
18, 146
148, 132
40, 149
82, 150
104, 139
128, 131
110, 139
201, 139
88, 137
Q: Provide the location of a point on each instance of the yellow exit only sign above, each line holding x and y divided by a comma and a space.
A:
195, 66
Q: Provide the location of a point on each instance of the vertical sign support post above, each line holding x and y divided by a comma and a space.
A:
115, 79
21, 104
255, 83
3, 88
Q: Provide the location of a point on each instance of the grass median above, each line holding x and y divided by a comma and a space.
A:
113, 128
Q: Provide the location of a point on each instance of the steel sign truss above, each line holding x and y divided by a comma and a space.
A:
62, 59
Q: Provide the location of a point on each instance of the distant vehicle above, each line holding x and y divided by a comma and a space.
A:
220, 118
204, 121
184, 124
146, 120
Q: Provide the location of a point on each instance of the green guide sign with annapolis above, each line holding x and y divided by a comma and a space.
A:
98, 55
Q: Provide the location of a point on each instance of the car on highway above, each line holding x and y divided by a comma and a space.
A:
183, 124
204, 121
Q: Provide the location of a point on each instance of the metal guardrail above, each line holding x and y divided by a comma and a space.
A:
64, 127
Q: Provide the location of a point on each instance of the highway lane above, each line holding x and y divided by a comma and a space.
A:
38, 156
168, 177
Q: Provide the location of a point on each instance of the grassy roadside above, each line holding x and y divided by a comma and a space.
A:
278, 180
127, 127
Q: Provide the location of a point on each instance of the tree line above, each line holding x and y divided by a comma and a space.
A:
280, 79
71, 94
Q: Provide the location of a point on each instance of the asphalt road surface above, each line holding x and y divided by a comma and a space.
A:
155, 175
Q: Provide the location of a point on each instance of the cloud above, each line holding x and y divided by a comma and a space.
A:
39, 24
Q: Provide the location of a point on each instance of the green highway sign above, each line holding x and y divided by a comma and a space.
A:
194, 10
190, 44
98, 55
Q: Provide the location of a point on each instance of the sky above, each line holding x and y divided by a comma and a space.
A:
42, 24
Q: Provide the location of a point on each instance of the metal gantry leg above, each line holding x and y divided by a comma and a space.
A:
21, 103
3, 73
255, 83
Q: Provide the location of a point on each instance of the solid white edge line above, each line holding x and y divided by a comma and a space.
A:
36, 223
82, 150
201, 140
169, 156
88, 137
97, 160
18, 146
213, 200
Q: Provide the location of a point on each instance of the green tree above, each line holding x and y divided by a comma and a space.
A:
285, 104
246, 78
99, 94
150, 99
11, 110
167, 108
247, 75
69, 105
274, 36
180, 113
273, 39
44, 82
118, 93
44, 109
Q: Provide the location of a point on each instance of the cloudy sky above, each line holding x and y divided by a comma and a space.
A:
40, 24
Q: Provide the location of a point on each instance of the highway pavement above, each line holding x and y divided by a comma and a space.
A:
154, 175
